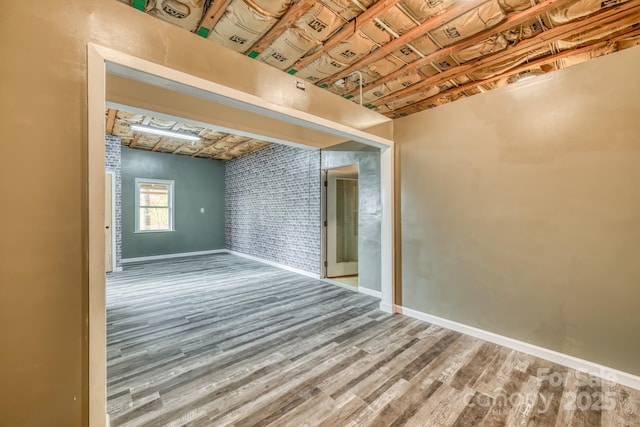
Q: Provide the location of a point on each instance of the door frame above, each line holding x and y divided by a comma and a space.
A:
99, 58
325, 220
114, 264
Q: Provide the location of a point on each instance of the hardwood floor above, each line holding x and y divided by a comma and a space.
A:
221, 340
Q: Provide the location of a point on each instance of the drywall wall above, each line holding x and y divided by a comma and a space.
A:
198, 185
273, 206
520, 210
132, 93
369, 209
45, 275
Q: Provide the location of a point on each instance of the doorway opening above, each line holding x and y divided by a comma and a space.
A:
103, 62
341, 237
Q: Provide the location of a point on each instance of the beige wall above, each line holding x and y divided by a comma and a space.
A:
133, 93
521, 211
43, 180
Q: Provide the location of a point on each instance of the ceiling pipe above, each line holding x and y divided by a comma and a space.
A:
359, 81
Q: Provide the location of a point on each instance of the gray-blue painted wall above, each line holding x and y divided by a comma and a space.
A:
369, 209
199, 183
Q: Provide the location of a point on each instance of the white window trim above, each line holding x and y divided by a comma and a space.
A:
171, 185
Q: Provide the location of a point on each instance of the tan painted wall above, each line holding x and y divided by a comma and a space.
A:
521, 211
153, 98
43, 247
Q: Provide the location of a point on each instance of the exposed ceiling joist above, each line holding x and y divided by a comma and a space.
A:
495, 37
239, 144
512, 21
447, 15
425, 103
164, 140
603, 17
135, 140
159, 144
292, 15
346, 32
203, 149
212, 16
111, 120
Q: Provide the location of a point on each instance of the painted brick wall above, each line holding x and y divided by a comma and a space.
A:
273, 206
113, 163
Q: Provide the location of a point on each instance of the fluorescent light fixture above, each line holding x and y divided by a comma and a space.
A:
169, 133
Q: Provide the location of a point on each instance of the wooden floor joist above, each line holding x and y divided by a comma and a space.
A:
425, 103
345, 32
212, 16
134, 141
512, 21
159, 144
432, 23
607, 16
111, 120
292, 15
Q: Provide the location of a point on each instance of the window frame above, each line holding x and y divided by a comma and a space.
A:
170, 207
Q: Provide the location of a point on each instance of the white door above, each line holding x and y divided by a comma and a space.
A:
108, 222
342, 222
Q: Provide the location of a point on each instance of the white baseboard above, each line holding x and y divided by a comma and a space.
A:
387, 308
582, 365
340, 284
369, 292
168, 256
275, 264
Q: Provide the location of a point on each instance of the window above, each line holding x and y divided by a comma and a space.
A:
154, 205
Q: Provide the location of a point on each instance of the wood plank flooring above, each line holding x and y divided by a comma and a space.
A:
220, 340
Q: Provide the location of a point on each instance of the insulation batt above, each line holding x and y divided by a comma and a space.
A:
381, 68
321, 68
185, 13
424, 9
490, 45
579, 9
288, 48
241, 26
352, 49
346, 8
485, 16
320, 22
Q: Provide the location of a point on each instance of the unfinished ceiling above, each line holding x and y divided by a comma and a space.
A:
212, 144
411, 54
